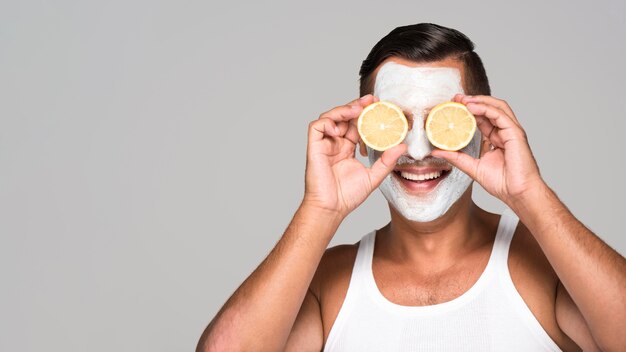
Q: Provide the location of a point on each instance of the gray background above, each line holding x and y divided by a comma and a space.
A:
152, 152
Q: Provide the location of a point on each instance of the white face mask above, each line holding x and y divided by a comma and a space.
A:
416, 90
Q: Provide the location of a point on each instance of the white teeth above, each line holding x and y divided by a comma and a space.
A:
421, 177
433, 175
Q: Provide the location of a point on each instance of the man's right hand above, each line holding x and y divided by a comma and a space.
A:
335, 180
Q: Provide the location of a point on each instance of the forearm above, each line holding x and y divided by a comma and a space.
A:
260, 314
593, 273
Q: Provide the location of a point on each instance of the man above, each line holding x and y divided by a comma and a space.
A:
443, 274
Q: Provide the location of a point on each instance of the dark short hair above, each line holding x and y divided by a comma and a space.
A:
427, 42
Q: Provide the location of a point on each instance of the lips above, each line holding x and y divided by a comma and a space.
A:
421, 177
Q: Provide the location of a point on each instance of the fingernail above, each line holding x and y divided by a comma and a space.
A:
354, 107
364, 98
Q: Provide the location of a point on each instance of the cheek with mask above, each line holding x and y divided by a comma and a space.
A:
421, 188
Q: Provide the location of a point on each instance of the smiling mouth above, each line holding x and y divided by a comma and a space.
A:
422, 177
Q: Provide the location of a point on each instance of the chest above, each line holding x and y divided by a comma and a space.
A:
408, 287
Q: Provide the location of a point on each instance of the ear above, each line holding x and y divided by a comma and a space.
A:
362, 148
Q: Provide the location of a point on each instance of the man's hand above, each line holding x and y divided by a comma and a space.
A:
506, 168
335, 180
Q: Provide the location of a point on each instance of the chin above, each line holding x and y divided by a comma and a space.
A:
430, 206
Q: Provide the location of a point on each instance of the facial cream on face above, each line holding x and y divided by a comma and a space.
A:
416, 90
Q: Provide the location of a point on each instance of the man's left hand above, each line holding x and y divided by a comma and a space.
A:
506, 168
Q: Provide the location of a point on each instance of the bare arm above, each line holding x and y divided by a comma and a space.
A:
572, 322
592, 272
307, 333
260, 315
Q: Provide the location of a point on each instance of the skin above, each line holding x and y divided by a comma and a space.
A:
572, 282
415, 90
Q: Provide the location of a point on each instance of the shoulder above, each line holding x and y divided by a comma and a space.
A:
340, 254
335, 268
331, 281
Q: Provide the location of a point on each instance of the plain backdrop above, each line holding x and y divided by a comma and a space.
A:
152, 152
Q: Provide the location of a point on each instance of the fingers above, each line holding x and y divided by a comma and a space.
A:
352, 134
362, 148
364, 100
349, 111
485, 146
460, 160
349, 131
489, 131
324, 126
506, 129
385, 164
339, 121
496, 116
487, 100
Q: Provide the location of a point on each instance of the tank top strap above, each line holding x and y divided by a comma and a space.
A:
356, 289
361, 271
363, 261
504, 235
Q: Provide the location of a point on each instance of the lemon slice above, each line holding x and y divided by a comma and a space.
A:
450, 126
382, 125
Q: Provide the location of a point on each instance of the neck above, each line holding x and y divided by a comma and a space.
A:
441, 242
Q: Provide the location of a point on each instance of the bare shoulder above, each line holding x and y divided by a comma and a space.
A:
331, 281
340, 254
335, 265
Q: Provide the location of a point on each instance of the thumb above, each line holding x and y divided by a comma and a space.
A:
385, 164
459, 160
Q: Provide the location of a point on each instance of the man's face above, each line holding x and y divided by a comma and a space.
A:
421, 188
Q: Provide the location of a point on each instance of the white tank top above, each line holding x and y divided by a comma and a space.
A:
490, 316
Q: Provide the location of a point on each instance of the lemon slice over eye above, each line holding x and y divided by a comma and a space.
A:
382, 125
450, 126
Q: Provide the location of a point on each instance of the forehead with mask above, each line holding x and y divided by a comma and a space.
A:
421, 188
